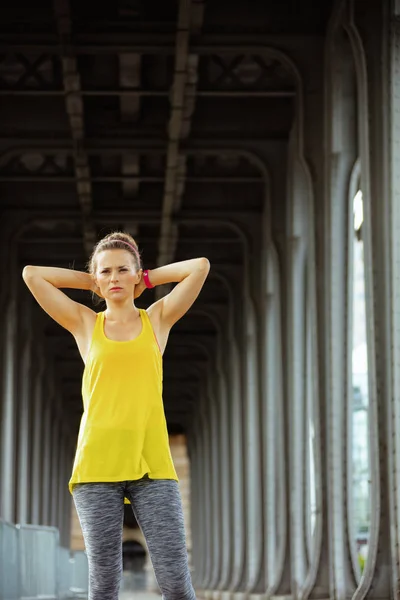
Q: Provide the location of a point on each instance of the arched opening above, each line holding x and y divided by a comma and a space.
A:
359, 409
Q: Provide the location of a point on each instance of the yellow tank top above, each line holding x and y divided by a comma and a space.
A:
123, 433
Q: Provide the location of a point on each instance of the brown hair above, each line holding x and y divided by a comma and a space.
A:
115, 241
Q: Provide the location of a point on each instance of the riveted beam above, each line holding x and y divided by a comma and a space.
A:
190, 20
75, 111
155, 43
140, 93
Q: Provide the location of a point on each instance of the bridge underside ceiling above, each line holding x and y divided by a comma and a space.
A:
158, 118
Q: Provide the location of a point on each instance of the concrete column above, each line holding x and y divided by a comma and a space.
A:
394, 298
68, 520
252, 473
299, 256
276, 506
55, 443
8, 413
46, 457
296, 372
61, 488
216, 514
341, 157
37, 450
227, 467
67, 495
237, 446
226, 497
207, 481
201, 518
376, 38
69, 502
24, 419
194, 495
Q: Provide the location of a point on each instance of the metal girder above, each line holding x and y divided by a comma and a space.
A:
136, 93
215, 218
190, 19
154, 43
130, 77
60, 242
114, 145
234, 74
123, 179
75, 111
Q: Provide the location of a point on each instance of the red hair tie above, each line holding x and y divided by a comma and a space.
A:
146, 280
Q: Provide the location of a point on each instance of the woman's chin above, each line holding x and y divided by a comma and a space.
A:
117, 296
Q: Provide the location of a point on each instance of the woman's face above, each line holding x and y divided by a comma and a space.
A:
116, 274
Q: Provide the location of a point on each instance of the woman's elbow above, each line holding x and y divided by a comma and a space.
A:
27, 272
204, 264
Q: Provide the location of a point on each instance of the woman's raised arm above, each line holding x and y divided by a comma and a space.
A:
190, 276
44, 283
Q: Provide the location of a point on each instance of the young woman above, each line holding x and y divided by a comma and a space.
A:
123, 453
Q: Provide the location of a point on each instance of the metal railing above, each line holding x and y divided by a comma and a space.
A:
34, 566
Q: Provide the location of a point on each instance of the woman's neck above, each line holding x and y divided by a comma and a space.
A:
121, 312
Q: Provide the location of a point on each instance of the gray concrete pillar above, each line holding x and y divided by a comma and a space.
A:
276, 503
295, 371
68, 501
37, 449
237, 453
61, 488
24, 421
8, 448
226, 498
65, 504
55, 443
216, 513
202, 506
195, 496
46, 456
224, 393
377, 57
253, 472
207, 481
394, 298
341, 157
299, 256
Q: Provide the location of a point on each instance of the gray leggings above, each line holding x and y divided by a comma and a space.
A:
157, 506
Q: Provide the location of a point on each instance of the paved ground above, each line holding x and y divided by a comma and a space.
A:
138, 595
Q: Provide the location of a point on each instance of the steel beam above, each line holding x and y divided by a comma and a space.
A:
128, 179
182, 105
154, 43
75, 111
136, 93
